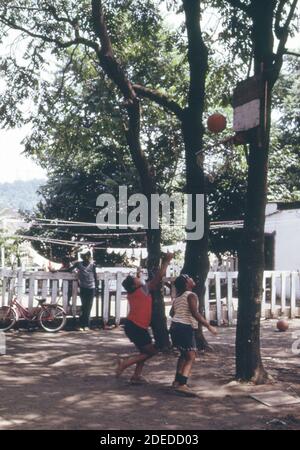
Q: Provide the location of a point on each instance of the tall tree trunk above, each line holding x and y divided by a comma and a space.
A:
196, 262
159, 321
249, 365
116, 73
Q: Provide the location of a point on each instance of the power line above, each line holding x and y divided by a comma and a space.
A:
104, 235
73, 222
58, 224
55, 241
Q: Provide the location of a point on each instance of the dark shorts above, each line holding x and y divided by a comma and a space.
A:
183, 337
139, 336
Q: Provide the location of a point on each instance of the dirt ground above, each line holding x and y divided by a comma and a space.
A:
66, 381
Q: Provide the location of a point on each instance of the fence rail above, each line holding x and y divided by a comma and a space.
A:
281, 293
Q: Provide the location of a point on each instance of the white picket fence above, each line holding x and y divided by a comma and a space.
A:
280, 297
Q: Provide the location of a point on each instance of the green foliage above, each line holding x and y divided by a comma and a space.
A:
78, 118
71, 196
284, 173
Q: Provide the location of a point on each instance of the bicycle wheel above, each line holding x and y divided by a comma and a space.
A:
8, 318
52, 318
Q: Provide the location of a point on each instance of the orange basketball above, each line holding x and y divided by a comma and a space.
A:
216, 123
282, 325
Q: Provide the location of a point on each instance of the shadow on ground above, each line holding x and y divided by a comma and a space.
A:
66, 381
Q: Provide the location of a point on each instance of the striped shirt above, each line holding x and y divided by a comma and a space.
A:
182, 312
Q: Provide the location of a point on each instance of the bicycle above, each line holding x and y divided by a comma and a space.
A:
51, 317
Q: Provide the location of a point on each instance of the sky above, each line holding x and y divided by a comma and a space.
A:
15, 166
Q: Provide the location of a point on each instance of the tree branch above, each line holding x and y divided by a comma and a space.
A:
197, 54
63, 74
117, 74
107, 60
52, 10
288, 52
283, 40
238, 4
101, 28
278, 15
159, 98
60, 44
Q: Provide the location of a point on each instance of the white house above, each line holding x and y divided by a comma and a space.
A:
282, 240
282, 231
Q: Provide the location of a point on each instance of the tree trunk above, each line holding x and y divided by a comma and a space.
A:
159, 321
249, 365
196, 263
116, 73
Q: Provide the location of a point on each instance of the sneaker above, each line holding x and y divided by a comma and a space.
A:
138, 381
185, 390
175, 384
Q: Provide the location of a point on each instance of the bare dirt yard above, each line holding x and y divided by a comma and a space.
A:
66, 381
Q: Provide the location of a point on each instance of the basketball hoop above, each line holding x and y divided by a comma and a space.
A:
240, 138
246, 104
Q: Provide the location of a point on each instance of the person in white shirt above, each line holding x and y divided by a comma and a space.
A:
185, 318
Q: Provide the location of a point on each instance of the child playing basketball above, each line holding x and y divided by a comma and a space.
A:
138, 320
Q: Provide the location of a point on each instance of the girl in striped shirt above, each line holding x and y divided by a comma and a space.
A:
185, 318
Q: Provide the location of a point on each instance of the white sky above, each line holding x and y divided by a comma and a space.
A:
15, 166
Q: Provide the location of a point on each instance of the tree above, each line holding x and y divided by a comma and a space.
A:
285, 139
190, 117
260, 21
64, 25
85, 157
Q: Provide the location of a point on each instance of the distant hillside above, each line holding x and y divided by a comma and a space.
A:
20, 194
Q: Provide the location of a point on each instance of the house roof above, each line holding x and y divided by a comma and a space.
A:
282, 206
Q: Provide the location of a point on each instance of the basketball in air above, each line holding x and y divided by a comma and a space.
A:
216, 123
282, 325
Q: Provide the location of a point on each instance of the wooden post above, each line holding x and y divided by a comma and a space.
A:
19, 284
273, 294
105, 312
229, 299
74, 297
45, 289
206, 300
293, 295
218, 298
263, 300
283, 292
4, 286
118, 298
31, 292
102, 297
98, 296
65, 288
54, 291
